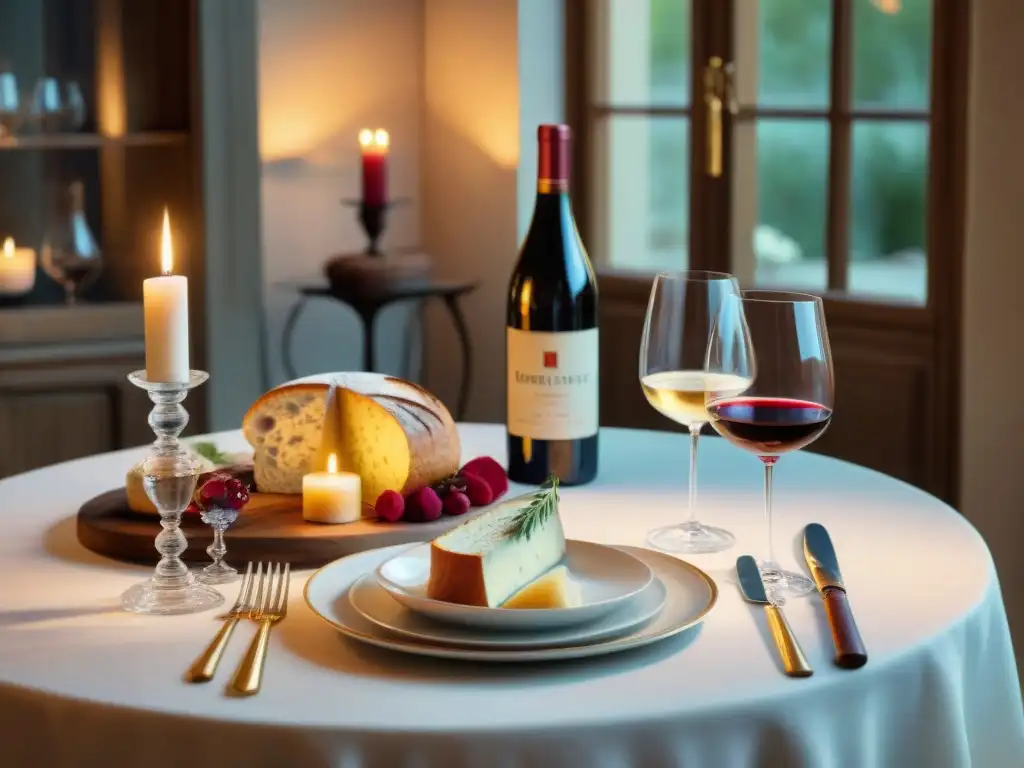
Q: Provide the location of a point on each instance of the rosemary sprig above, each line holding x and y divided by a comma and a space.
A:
543, 504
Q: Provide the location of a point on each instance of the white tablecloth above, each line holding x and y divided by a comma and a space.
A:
83, 684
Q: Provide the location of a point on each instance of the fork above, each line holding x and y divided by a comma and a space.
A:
269, 607
205, 666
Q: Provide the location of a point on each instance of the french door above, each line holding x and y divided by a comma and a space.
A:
811, 145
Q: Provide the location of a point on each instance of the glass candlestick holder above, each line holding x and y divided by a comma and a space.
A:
169, 477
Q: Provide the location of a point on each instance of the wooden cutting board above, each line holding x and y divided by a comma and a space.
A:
270, 528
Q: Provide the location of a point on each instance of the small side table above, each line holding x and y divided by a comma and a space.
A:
368, 304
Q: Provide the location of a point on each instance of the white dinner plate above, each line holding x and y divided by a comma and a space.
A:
608, 578
691, 594
376, 604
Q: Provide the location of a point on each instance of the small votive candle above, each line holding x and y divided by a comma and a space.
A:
332, 496
17, 269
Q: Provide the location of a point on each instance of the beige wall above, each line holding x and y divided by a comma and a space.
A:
469, 186
328, 68
992, 409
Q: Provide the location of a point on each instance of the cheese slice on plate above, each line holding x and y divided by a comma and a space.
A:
555, 589
481, 563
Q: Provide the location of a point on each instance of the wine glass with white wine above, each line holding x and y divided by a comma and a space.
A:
676, 381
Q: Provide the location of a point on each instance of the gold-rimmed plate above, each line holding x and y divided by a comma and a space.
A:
691, 596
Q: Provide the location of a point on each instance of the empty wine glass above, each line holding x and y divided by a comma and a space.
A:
74, 107
789, 402
69, 252
47, 108
676, 381
10, 105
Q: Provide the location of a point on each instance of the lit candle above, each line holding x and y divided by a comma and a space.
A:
17, 269
374, 145
165, 301
332, 496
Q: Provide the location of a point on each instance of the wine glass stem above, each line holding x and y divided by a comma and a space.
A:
769, 465
217, 549
69, 293
692, 496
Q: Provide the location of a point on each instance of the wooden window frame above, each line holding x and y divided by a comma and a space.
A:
946, 193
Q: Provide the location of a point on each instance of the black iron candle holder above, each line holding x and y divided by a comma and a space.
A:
373, 219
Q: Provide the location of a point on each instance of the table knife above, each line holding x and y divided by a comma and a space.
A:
794, 663
821, 559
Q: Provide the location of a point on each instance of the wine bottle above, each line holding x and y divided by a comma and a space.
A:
552, 335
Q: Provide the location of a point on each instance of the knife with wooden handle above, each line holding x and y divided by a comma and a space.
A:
824, 566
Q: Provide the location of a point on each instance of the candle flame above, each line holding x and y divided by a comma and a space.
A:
332, 464
166, 250
374, 139
9, 247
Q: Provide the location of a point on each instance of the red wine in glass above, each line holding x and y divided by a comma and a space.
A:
768, 426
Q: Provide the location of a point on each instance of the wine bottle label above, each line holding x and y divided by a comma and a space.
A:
552, 384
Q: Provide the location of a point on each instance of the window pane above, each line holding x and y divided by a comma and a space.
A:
892, 53
889, 210
645, 210
648, 53
795, 49
792, 203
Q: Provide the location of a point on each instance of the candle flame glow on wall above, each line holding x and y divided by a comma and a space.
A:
166, 250
9, 247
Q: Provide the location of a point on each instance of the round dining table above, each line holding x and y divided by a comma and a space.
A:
83, 683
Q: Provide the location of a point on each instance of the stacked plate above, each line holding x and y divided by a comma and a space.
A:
630, 597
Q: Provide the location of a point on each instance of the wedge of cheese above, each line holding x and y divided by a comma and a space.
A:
480, 563
394, 434
555, 589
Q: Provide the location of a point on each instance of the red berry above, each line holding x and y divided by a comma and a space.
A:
491, 472
213, 490
390, 506
456, 503
193, 509
423, 506
478, 491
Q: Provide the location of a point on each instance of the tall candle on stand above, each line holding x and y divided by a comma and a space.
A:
374, 145
165, 301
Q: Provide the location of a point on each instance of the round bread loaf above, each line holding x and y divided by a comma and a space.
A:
394, 434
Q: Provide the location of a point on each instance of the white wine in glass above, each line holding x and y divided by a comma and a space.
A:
682, 395
677, 382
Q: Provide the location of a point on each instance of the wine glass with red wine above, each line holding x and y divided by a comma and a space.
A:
677, 383
789, 402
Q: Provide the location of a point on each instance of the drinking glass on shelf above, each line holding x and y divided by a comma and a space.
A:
69, 252
74, 107
676, 381
789, 402
10, 105
47, 108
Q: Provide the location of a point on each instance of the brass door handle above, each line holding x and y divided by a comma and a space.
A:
719, 96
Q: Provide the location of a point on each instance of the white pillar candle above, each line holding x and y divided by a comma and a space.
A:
165, 303
332, 496
17, 269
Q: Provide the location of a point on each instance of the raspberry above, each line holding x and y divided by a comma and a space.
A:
456, 503
390, 506
423, 506
478, 491
491, 472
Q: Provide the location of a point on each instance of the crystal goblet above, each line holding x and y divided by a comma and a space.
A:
218, 572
